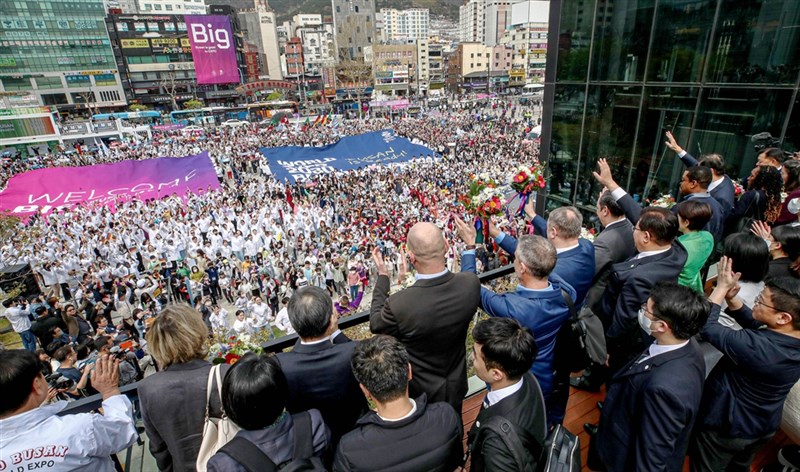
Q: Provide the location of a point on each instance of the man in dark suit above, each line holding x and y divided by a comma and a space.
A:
403, 434
318, 367
721, 186
651, 404
744, 395
576, 262
614, 244
430, 318
659, 258
502, 355
538, 304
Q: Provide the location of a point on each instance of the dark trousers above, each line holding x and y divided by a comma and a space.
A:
710, 451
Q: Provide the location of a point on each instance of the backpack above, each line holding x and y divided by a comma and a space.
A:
249, 456
561, 451
581, 340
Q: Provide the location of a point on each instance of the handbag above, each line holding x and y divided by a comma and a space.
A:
216, 431
581, 340
743, 223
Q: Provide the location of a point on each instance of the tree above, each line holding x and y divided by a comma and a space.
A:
138, 107
354, 73
192, 104
276, 95
170, 85
88, 100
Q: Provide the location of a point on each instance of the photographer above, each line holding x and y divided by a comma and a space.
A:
67, 357
34, 434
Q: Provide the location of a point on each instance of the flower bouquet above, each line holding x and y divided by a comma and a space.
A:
484, 199
587, 234
525, 180
665, 201
228, 350
738, 190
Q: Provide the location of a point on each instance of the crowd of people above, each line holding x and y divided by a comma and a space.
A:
685, 373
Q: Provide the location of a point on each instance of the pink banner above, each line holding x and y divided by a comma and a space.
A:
44, 190
213, 49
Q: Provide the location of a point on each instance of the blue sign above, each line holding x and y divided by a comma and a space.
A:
350, 152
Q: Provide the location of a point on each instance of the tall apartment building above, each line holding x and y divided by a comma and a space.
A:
527, 36
354, 25
404, 24
470, 22
57, 53
496, 18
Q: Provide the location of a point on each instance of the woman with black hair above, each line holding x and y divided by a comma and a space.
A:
693, 216
751, 259
791, 185
265, 424
762, 201
784, 249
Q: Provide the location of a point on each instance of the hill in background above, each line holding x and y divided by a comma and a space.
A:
286, 9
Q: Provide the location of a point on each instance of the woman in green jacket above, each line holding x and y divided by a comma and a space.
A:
692, 218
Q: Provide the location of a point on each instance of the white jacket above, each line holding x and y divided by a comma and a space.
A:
40, 440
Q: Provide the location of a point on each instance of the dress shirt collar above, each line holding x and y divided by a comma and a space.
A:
658, 349
651, 253
495, 396
620, 220
565, 249
408, 415
715, 183
419, 276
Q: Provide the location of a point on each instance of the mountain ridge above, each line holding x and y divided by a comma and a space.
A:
286, 9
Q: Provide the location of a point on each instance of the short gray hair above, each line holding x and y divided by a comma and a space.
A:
538, 254
567, 220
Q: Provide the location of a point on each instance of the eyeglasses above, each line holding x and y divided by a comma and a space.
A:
759, 301
643, 310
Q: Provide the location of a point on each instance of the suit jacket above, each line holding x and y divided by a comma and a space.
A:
716, 225
429, 439
629, 287
431, 319
542, 311
724, 193
525, 409
613, 244
173, 405
575, 266
320, 377
649, 411
746, 390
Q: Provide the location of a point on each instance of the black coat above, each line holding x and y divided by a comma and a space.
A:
649, 411
525, 409
320, 377
431, 319
173, 405
724, 193
427, 441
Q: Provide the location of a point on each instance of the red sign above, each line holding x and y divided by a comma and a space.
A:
251, 64
266, 84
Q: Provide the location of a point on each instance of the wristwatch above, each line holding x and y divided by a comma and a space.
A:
470, 247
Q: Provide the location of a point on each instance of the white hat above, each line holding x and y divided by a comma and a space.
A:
140, 283
794, 206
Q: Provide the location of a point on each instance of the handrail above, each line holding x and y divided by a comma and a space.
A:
94, 402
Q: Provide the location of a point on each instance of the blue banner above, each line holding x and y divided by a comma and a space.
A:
350, 152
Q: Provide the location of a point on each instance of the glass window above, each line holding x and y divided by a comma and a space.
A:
122, 26
686, 28
620, 45
16, 84
48, 82
78, 81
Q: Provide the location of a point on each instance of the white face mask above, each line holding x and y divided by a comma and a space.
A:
644, 322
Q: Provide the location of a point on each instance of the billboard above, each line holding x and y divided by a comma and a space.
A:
213, 49
25, 127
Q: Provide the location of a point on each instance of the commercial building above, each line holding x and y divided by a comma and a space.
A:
171, 7
411, 24
155, 59
394, 68
715, 72
354, 25
527, 36
57, 53
472, 63
496, 18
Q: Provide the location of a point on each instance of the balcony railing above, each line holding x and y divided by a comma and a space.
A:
93, 403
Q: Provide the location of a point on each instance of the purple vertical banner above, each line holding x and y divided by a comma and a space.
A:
213, 49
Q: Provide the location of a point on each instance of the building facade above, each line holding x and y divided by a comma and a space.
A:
172, 7
411, 24
394, 68
57, 53
354, 25
527, 36
714, 72
470, 21
496, 18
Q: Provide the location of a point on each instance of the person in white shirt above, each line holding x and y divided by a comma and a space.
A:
260, 313
219, 320
18, 314
34, 437
242, 325
282, 320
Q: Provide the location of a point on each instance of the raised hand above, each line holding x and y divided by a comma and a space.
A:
604, 176
672, 144
380, 264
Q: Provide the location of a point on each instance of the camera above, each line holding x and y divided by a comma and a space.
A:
764, 140
58, 381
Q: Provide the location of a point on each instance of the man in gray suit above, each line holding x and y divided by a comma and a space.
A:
430, 318
613, 244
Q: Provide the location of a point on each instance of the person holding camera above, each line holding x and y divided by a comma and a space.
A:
79, 377
33, 435
18, 315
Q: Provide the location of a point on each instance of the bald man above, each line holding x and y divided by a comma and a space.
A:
430, 318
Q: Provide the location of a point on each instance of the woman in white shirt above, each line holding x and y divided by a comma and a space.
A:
242, 325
